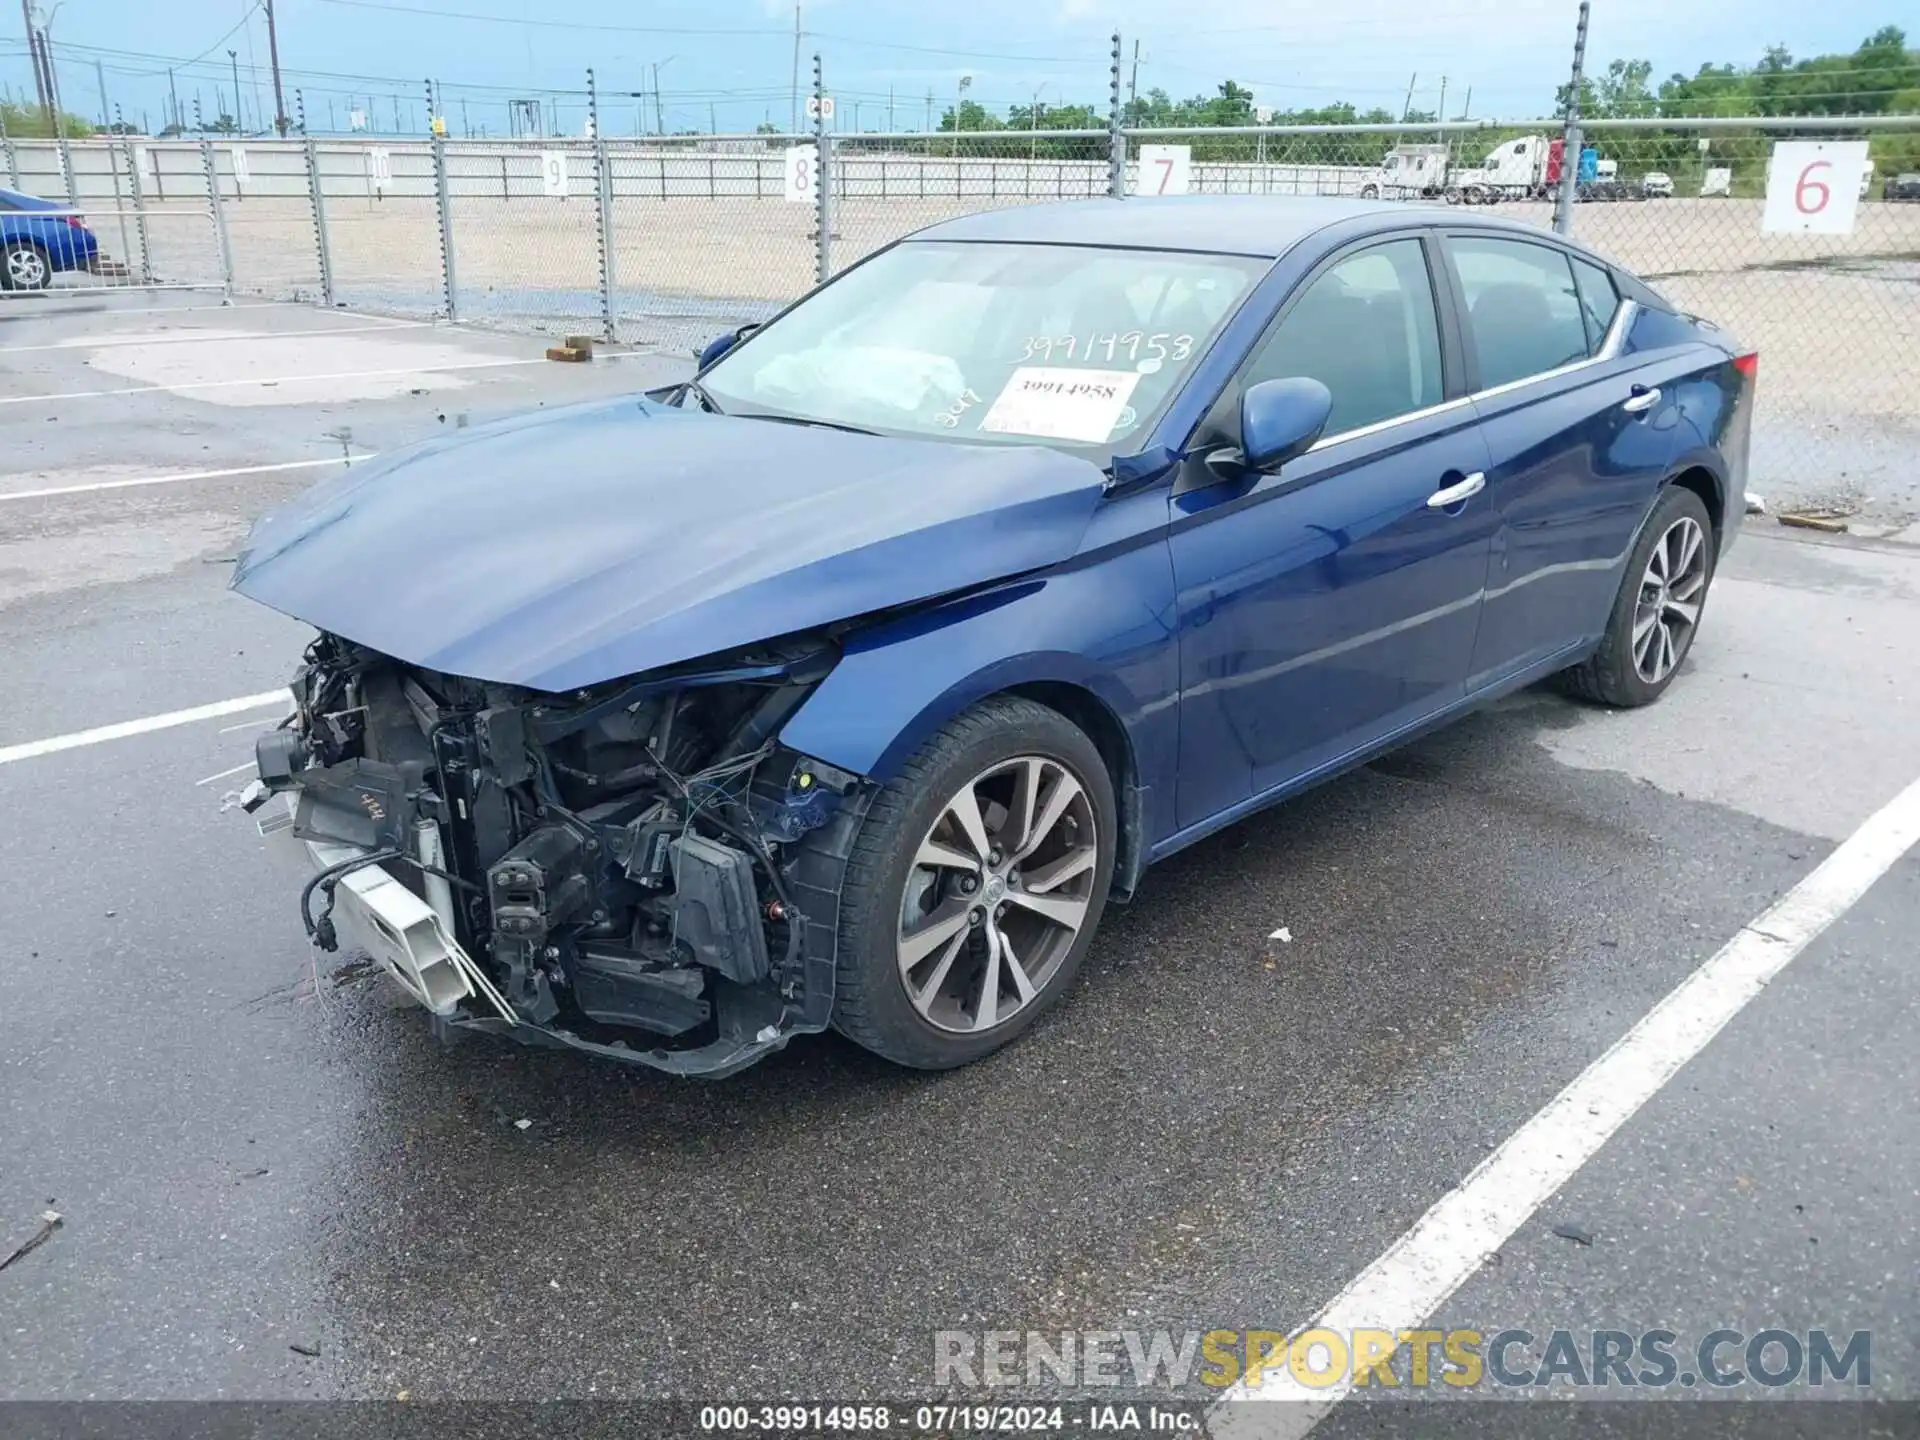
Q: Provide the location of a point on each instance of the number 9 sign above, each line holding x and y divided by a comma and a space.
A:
1813, 187
802, 170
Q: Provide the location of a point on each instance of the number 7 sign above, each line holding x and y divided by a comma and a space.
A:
1163, 170
1813, 187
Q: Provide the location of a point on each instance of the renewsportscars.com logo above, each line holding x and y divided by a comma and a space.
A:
1401, 1359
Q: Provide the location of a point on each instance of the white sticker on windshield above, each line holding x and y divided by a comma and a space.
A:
1061, 404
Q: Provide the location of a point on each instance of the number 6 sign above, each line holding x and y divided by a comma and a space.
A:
1813, 187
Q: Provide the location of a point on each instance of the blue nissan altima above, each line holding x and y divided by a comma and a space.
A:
846, 683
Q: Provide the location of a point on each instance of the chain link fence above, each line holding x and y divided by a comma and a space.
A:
663, 242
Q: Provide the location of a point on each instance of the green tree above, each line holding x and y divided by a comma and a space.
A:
30, 122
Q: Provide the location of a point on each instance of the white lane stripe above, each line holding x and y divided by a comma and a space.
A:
1409, 1283
271, 380
6, 495
32, 749
244, 765
211, 337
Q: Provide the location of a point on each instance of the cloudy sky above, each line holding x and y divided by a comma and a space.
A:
730, 61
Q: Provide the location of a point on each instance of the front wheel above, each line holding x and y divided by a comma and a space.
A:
1657, 612
974, 887
25, 266
1369, 192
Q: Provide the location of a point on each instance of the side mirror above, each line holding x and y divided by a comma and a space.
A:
721, 344
1280, 420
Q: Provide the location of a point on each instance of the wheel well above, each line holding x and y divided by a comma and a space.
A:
1100, 725
1702, 483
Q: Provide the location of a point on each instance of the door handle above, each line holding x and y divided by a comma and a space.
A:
1455, 494
1641, 399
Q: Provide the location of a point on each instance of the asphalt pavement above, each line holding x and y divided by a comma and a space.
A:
255, 1148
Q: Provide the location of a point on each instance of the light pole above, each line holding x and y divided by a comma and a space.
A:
233, 57
1033, 122
659, 115
959, 100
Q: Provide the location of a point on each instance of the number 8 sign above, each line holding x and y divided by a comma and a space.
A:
1813, 187
802, 173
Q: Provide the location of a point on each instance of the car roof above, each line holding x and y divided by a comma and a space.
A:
26, 201
1260, 225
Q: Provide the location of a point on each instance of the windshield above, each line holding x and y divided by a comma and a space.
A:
995, 343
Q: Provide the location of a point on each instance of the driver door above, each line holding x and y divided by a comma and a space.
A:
1328, 607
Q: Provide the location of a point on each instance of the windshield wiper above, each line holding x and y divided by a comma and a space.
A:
699, 392
803, 420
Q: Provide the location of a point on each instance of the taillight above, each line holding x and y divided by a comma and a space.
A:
1748, 365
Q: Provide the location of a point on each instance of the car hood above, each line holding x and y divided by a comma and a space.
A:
567, 547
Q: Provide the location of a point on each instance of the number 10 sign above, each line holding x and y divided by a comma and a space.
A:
1813, 187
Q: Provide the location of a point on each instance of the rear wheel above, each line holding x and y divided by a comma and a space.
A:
975, 886
1369, 192
24, 266
1657, 612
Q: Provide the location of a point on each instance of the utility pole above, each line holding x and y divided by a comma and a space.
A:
174, 96
1407, 109
659, 115
1441, 113
273, 58
889, 109
1133, 81
713, 118
929, 110
234, 57
793, 125
100, 80
39, 79
1467, 109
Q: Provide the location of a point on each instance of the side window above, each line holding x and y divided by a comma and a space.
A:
1523, 314
1367, 330
1598, 300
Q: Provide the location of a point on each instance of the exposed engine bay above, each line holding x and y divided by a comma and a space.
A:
638, 869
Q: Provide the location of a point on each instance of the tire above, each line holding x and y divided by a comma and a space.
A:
25, 266
1369, 192
1617, 673
913, 1011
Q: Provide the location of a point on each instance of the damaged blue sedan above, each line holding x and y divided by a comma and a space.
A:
847, 682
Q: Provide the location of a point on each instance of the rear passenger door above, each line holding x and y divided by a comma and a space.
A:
1580, 437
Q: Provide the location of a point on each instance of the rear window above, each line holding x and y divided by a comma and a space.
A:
1522, 310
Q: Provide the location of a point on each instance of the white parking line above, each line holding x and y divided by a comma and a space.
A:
33, 749
176, 479
1409, 1283
78, 345
272, 380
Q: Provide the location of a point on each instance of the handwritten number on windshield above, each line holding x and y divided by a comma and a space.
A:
1064, 347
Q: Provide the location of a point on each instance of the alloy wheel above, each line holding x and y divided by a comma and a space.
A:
26, 268
1000, 887
1671, 593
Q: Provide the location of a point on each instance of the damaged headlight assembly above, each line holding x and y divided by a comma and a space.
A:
636, 869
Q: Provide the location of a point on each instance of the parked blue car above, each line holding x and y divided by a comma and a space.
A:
845, 683
40, 239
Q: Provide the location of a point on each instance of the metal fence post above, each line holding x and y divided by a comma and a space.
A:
1571, 141
823, 193
218, 215
1116, 139
139, 211
66, 167
447, 285
603, 210
319, 220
